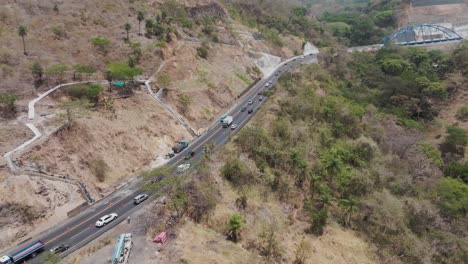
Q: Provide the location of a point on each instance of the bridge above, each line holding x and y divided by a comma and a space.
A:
420, 34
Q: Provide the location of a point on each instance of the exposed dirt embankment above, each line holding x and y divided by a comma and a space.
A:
104, 150
28, 201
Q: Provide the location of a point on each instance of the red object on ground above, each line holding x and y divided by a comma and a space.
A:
161, 238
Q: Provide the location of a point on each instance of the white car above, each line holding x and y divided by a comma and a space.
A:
250, 102
106, 219
140, 198
183, 167
233, 126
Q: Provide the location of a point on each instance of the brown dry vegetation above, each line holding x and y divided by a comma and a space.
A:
140, 131
101, 148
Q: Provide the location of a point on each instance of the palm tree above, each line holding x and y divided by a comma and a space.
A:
350, 206
127, 28
234, 227
140, 17
109, 78
22, 32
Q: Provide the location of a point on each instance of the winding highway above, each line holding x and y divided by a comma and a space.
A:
79, 230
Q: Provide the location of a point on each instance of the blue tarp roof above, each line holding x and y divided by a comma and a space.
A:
119, 83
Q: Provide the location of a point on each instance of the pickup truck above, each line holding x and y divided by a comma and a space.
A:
30, 250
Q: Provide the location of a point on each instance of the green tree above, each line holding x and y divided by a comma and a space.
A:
37, 71
121, 71
185, 101
51, 258
127, 29
131, 61
140, 18
319, 219
83, 69
456, 136
453, 196
394, 67
102, 44
234, 227
350, 206
22, 32
56, 9
149, 26
7, 104
93, 91
462, 113
57, 70
299, 11
457, 170
109, 78
179, 201
73, 110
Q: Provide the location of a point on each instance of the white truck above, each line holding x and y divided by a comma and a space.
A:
227, 121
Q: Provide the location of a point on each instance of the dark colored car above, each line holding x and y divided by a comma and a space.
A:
157, 179
250, 111
243, 109
60, 248
189, 155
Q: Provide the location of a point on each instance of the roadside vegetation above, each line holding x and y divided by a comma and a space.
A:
274, 18
345, 138
7, 105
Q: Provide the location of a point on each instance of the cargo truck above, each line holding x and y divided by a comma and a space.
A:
227, 121
181, 145
30, 250
122, 249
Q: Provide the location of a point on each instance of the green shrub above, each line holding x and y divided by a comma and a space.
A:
86, 69
236, 172
57, 69
51, 258
121, 71
318, 220
160, 44
7, 104
244, 78
452, 196
456, 136
8, 99
90, 92
100, 168
457, 170
101, 43
432, 153
202, 52
462, 113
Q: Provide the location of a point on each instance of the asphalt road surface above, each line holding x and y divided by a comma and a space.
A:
79, 230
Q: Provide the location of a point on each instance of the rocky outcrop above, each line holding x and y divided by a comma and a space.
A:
213, 10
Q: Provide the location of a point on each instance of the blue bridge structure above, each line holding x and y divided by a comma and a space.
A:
420, 34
